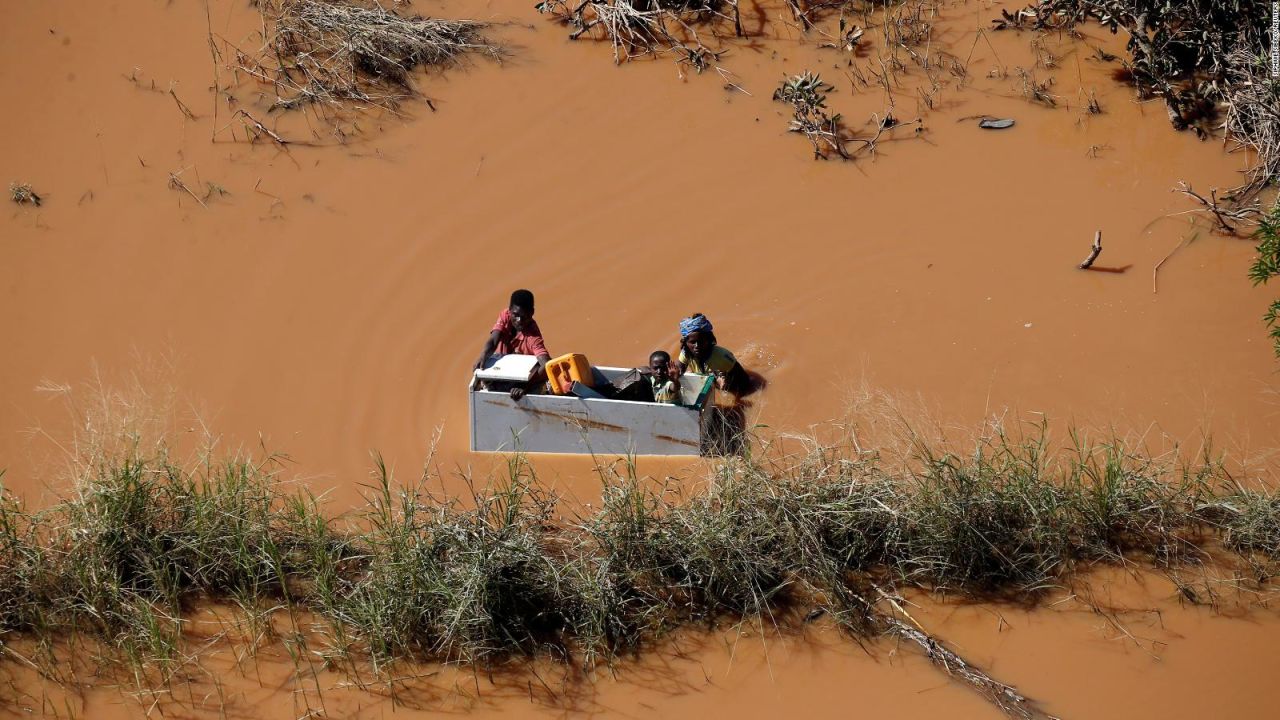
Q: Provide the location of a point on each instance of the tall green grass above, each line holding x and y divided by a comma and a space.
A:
508, 571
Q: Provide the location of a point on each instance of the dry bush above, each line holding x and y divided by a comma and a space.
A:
638, 28
1253, 112
337, 52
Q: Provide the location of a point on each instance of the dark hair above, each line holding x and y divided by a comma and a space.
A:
522, 299
660, 354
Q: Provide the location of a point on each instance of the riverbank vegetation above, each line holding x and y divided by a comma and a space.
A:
1267, 266
1206, 59
798, 531
1209, 61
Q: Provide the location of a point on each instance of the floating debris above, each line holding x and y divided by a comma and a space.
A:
995, 123
1094, 251
22, 194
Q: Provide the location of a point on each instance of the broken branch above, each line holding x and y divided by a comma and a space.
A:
1094, 252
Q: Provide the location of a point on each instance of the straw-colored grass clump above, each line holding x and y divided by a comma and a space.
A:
335, 53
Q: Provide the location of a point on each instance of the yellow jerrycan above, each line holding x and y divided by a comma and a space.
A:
564, 370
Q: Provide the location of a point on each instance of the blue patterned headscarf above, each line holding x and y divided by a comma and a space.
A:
697, 323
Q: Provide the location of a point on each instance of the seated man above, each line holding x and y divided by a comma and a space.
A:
700, 354
517, 332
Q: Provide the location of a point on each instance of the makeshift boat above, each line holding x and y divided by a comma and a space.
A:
586, 422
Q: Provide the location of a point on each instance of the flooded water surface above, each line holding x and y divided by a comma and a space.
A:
327, 299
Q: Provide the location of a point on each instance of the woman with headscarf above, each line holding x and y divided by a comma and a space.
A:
699, 353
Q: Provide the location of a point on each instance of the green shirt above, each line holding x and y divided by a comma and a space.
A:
664, 389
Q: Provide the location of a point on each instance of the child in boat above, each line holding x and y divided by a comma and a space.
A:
699, 353
517, 332
656, 383
662, 378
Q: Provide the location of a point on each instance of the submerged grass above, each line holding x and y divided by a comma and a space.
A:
502, 574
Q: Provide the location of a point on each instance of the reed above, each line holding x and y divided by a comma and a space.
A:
509, 572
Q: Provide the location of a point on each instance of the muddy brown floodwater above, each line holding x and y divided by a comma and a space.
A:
332, 301
1147, 657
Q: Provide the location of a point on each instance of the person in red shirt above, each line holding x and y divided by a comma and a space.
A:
517, 332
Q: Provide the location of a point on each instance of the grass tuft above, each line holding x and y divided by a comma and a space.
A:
500, 575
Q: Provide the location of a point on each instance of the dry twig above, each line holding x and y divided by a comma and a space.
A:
1006, 697
261, 129
175, 182
1155, 271
1094, 252
1224, 216
181, 105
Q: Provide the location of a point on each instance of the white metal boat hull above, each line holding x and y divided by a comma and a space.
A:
568, 424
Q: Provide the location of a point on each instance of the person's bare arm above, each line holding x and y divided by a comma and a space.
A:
539, 376
489, 346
